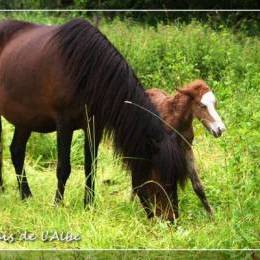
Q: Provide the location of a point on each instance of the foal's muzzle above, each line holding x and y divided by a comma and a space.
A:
217, 129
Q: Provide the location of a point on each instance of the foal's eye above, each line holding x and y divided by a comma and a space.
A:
203, 106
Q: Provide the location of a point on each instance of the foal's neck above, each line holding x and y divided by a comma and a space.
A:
178, 114
182, 111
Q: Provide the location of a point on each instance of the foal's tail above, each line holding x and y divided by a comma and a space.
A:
1, 156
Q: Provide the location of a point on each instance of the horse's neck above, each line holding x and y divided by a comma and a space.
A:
177, 113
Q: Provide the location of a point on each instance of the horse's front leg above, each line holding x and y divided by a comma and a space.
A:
1, 158
92, 140
196, 182
64, 138
17, 149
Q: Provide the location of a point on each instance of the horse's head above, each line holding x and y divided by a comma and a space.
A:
204, 106
158, 189
157, 198
162, 198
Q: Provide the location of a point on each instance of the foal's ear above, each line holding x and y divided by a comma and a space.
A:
186, 92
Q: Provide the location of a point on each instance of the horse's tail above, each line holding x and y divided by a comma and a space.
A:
1, 156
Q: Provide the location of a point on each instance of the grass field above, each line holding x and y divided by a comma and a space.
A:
164, 57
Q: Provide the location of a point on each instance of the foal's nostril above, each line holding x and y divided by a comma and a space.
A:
217, 132
222, 127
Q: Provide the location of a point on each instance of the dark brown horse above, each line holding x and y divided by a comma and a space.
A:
68, 77
195, 100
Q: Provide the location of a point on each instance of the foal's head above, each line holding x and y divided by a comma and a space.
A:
204, 106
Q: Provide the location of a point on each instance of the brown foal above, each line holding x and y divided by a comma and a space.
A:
194, 100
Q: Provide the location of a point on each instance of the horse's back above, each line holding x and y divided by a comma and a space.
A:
10, 28
30, 77
21, 47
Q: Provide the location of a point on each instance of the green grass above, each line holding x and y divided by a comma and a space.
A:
164, 57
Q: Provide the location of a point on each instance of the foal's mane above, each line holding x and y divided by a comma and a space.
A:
103, 80
179, 101
196, 87
189, 91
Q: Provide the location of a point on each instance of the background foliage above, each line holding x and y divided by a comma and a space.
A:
166, 56
130, 4
246, 21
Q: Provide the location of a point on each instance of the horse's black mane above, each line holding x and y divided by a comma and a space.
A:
103, 80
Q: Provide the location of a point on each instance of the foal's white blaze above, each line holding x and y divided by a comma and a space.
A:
209, 100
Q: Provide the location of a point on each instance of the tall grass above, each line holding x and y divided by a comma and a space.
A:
165, 57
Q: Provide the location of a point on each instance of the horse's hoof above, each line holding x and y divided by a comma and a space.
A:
2, 188
210, 211
26, 195
88, 204
58, 202
88, 201
87, 207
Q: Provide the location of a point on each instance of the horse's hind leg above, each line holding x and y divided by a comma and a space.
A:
64, 138
196, 182
17, 148
1, 158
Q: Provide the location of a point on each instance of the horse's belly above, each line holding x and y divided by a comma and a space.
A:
30, 118
36, 123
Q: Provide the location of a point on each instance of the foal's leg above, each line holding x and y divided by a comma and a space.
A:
175, 201
196, 182
92, 140
17, 149
64, 137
